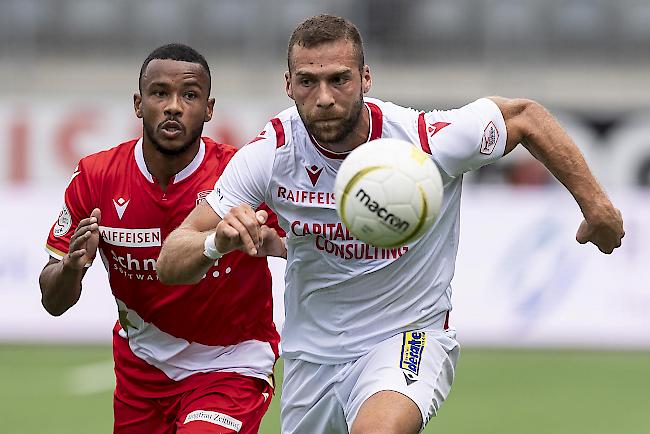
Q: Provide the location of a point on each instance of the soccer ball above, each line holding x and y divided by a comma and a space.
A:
388, 192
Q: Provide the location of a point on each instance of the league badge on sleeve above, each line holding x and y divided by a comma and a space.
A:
63, 223
490, 139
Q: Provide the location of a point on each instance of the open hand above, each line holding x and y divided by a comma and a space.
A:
84, 242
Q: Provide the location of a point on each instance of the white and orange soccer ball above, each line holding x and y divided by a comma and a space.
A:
388, 192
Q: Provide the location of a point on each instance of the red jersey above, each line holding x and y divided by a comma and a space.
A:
223, 323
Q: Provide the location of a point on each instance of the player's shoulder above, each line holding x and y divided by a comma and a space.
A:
108, 159
277, 132
391, 112
476, 108
212, 147
287, 115
285, 124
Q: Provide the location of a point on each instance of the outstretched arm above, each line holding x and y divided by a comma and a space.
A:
60, 281
182, 258
530, 124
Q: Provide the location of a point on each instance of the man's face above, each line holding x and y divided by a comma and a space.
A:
328, 87
174, 104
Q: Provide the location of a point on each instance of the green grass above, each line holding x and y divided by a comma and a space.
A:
504, 392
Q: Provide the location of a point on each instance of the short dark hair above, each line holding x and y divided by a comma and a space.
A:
175, 51
325, 28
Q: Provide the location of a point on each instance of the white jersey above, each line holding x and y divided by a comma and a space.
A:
343, 296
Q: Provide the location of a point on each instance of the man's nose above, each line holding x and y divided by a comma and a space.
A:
173, 107
325, 97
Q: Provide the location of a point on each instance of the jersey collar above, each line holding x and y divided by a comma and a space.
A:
187, 171
374, 132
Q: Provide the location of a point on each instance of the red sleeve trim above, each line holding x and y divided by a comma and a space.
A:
422, 132
377, 120
279, 132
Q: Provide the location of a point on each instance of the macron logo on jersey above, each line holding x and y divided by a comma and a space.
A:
437, 126
120, 206
314, 173
260, 136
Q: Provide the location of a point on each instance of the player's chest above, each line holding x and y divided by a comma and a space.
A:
303, 181
306, 211
140, 215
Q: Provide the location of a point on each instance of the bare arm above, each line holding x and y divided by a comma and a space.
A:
530, 124
181, 258
60, 281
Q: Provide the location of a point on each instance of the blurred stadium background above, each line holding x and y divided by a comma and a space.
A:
556, 336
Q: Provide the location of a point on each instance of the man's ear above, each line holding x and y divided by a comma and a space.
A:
137, 104
366, 79
287, 84
209, 110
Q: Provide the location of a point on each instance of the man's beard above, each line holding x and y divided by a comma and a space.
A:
346, 128
193, 137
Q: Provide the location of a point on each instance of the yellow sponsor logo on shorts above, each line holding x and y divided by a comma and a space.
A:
412, 348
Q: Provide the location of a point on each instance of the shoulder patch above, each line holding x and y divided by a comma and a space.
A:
490, 139
63, 223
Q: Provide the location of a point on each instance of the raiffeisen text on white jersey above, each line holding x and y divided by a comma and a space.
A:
306, 196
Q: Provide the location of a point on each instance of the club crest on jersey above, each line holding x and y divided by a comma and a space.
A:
314, 173
120, 206
63, 223
412, 349
201, 195
490, 139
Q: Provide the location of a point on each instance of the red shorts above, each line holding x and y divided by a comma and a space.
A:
229, 403
146, 401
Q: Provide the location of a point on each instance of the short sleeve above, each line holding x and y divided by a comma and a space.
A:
77, 205
246, 177
466, 138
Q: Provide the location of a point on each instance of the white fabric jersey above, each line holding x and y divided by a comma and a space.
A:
343, 296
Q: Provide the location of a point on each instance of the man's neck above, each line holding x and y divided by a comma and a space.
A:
164, 167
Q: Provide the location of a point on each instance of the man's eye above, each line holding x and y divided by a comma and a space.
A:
305, 82
159, 93
191, 95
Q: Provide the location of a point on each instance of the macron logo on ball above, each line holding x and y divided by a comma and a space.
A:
393, 221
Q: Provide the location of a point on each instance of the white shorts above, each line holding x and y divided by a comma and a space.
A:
325, 399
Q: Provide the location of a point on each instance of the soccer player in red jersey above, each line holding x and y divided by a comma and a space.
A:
188, 359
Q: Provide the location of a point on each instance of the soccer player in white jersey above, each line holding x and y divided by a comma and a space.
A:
366, 343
